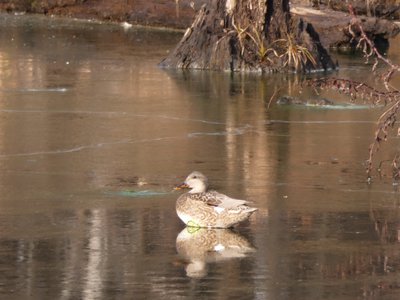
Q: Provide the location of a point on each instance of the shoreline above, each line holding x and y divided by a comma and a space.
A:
177, 16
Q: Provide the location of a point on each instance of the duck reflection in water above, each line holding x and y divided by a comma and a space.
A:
200, 246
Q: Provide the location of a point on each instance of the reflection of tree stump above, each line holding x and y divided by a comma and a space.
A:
249, 35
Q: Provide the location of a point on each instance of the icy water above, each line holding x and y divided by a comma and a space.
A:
93, 137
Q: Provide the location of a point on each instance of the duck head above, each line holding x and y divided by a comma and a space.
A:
196, 182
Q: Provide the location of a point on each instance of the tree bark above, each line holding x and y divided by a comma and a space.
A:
252, 35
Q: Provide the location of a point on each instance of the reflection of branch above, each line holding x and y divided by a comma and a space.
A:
386, 223
272, 98
386, 121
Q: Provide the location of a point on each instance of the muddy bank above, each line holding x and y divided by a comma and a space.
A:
331, 25
164, 13
388, 9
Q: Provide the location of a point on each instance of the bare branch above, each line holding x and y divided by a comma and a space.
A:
361, 90
355, 22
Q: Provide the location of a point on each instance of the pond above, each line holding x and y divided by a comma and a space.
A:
94, 136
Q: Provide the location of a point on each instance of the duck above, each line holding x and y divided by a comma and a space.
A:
201, 207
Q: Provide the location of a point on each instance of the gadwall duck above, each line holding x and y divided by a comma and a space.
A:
203, 208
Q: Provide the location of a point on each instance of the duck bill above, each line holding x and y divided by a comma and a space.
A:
181, 187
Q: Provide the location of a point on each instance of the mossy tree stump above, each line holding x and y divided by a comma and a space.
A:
251, 35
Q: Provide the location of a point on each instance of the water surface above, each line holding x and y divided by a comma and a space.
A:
93, 136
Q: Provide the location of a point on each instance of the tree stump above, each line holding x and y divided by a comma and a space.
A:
252, 35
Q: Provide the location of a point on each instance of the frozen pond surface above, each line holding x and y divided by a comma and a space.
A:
93, 136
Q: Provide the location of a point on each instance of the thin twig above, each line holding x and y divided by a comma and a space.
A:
355, 21
355, 89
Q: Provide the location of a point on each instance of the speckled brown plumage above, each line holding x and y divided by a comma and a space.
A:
202, 208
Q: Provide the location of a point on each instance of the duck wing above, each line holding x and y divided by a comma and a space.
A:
217, 199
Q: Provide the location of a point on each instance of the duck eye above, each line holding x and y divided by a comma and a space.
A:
195, 177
